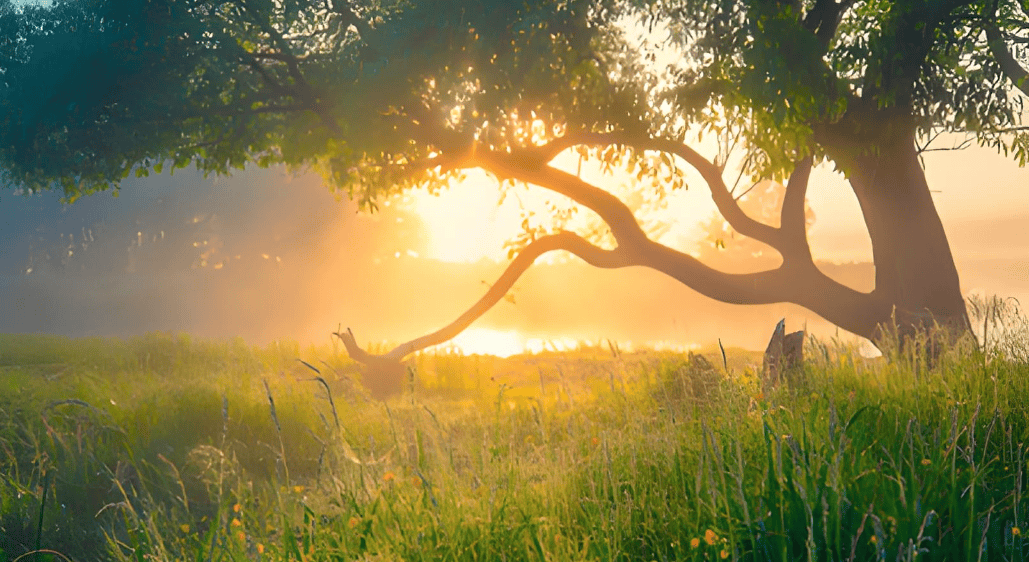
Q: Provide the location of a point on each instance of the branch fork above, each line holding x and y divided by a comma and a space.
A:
797, 280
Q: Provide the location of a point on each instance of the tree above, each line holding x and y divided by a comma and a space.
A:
382, 96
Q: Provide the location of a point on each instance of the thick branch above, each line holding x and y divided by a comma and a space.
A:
525, 166
1008, 65
597, 257
801, 284
792, 218
531, 165
795, 282
268, 79
712, 174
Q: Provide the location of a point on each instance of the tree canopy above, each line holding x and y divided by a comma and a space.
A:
94, 90
381, 96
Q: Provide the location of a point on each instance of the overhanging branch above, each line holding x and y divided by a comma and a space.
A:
524, 165
576, 245
795, 282
712, 174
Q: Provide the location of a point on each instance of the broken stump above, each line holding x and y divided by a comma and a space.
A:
784, 355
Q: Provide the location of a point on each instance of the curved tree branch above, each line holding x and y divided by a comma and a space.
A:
597, 257
524, 165
796, 282
712, 174
723, 199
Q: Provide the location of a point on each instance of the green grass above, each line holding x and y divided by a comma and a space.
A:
169, 448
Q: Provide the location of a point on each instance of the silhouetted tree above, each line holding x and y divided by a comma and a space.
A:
382, 96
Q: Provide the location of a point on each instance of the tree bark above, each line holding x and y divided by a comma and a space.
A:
915, 275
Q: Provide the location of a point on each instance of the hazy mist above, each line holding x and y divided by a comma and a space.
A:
265, 256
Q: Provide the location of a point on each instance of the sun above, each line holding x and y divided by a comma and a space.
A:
471, 221
465, 223
485, 341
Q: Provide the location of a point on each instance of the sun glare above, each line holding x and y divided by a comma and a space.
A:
505, 343
482, 341
468, 223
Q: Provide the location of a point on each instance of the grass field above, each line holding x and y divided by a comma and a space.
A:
168, 448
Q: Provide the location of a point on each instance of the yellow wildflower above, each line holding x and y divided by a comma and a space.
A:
184, 527
237, 523
1015, 531
710, 537
695, 542
389, 476
926, 462
724, 554
352, 522
260, 548
236, 508
298, 489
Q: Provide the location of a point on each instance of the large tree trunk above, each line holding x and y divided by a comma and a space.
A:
915, 275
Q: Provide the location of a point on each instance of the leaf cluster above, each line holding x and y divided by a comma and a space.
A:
383, 95
788, 72
93, 91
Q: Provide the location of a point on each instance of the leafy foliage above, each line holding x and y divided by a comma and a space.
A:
788, 68
95, 90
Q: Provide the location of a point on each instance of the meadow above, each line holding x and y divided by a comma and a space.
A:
163, 447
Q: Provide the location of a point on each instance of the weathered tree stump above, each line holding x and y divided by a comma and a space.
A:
784, 355
383, 376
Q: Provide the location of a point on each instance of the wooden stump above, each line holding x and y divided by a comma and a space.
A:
784, 354
382, 375
384, 379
